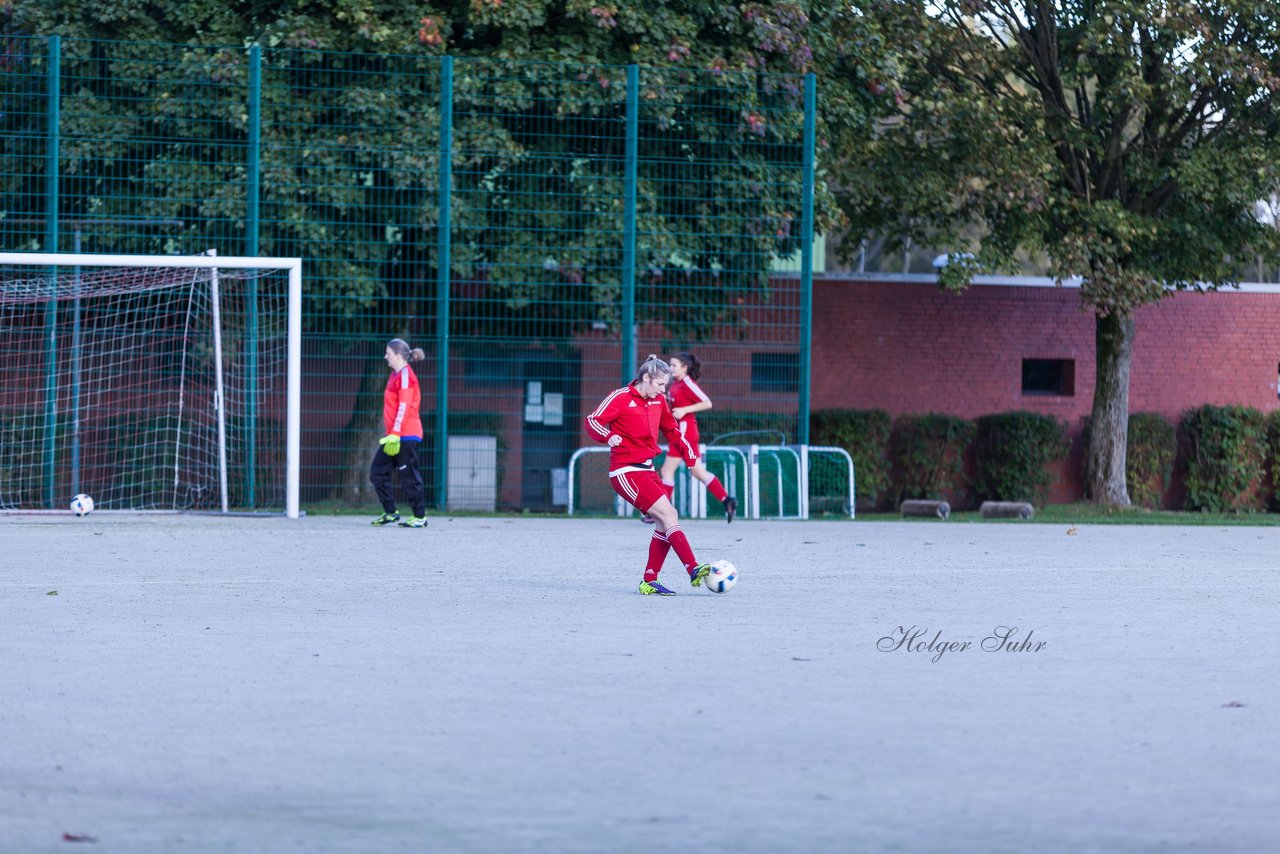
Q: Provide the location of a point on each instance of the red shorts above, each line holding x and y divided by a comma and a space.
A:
689, 429
640, 487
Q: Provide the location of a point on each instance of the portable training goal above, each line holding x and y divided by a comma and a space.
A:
150, 382
779, 481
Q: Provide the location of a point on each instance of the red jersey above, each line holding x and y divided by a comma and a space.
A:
626, 413
400, 404
686, 392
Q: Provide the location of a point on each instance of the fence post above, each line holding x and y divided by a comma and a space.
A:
252, 215
443, 228
253, 167
629, 226
806, 256
54, 86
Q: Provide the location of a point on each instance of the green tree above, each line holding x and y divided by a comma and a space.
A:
721, 114
1127, 142
350, 150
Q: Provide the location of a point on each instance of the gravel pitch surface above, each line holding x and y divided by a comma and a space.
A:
496, 684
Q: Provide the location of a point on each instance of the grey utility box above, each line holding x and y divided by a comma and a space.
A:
473, 473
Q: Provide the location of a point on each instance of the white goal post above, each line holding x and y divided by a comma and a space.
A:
106, 337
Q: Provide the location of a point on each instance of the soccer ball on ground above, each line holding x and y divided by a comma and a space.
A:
722, 577
82, 505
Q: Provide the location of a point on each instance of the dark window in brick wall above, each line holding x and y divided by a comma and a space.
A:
1049, 377
492, 369
775, 372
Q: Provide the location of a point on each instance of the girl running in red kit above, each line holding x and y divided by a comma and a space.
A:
687, 399
628, 421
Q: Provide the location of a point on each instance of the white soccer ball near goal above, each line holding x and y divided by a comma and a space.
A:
722, 577
82, 505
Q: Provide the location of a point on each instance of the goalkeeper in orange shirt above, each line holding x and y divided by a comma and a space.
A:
398, 449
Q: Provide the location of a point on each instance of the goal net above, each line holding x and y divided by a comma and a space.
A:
149, 383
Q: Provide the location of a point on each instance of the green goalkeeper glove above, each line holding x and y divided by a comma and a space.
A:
390, 445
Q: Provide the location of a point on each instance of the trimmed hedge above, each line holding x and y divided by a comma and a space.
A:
1149, 455
1011, 450
1224, 450
1273, 456
1231, 453
928, 455
864, 433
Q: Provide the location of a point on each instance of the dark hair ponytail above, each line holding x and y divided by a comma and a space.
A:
692, 362
410, 354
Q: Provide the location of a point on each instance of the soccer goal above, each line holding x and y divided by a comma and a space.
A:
799, 481
150, 382
770, 481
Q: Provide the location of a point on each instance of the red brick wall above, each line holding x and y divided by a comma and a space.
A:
906, 347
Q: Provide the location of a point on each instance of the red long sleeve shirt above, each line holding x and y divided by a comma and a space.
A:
626, 413
686, 392
400, 403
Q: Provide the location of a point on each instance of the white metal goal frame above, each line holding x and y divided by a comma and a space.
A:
751, 456
693, 500
803, 456
694, 491
293, 393
808, 454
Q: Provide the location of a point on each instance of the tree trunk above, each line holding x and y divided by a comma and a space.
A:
360, 438
1109, 431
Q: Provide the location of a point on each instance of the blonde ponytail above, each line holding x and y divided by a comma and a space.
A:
653, 366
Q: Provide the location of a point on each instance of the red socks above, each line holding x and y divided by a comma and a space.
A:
680, 543
714, 486
658, 548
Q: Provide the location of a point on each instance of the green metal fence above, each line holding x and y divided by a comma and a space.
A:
535, 228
